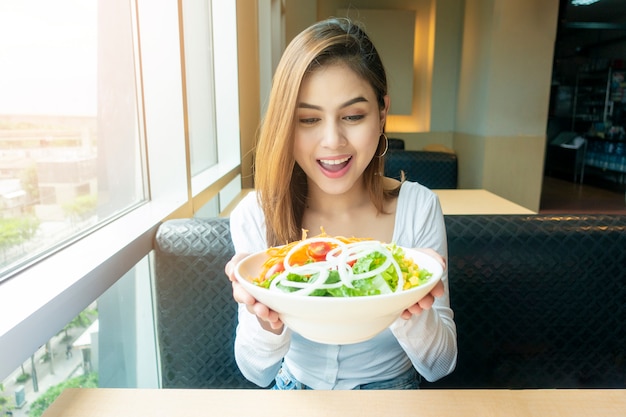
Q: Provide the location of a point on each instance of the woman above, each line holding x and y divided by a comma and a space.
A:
319, 164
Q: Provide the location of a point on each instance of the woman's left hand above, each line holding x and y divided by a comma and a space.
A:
427, 301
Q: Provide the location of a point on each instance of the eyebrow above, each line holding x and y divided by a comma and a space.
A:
350, 102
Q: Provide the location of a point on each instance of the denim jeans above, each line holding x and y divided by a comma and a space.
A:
408, 380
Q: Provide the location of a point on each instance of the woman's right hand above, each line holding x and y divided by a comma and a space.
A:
268, 318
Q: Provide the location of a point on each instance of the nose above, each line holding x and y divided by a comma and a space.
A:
334, 137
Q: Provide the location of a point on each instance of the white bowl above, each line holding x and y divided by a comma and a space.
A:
337, 320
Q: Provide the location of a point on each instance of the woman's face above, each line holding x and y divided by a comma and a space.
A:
338, 126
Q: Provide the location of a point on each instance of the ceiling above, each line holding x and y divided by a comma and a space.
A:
583, 29
604, 13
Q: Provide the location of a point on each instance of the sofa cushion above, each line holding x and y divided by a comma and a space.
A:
539, 301
196, 313
435, 170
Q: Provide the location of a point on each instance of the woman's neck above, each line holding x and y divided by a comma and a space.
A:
329, 204
350, 214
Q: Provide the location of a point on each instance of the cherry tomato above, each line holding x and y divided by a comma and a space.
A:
318, 250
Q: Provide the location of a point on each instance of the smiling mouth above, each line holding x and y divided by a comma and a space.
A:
334, 165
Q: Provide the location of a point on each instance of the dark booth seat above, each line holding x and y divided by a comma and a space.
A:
395, 143
196, 313
435, 170
538, 302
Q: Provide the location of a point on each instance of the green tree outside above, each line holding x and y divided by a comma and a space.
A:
15, 231
42, 403
82, 320
30, 182
81, 208
6, 403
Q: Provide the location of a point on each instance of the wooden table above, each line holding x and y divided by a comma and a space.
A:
457, 201
464, 201
261, 403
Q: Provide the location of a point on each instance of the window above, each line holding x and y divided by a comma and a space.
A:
147, 176
110, 344
69, 123
198, 50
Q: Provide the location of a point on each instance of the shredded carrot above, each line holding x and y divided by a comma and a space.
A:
277, 254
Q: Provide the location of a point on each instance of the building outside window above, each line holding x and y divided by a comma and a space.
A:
69, 123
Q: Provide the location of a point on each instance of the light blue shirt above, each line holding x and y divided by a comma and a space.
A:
426, 341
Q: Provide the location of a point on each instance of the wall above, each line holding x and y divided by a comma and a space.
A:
503, 97
420, 118
481, 87
433, 116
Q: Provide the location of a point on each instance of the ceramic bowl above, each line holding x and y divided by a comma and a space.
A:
337, 320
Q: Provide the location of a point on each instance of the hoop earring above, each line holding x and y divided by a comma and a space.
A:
386, 145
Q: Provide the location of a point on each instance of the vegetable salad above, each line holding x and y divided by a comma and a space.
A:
340, 267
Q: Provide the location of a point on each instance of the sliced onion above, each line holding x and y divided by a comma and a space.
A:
297, 246
336, 259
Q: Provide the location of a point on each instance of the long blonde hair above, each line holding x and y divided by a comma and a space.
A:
280, 182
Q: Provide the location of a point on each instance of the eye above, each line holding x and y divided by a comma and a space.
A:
308, 120
354, 118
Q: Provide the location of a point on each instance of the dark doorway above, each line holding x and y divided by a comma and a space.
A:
586, 129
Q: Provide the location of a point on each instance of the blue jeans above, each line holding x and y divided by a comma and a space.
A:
408, 380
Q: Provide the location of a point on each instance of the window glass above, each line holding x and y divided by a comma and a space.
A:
91, 171
70, 154
63, 361
110, 344
198, 49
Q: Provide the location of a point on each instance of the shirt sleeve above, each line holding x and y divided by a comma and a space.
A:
429, 339
258, 353
247, 225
